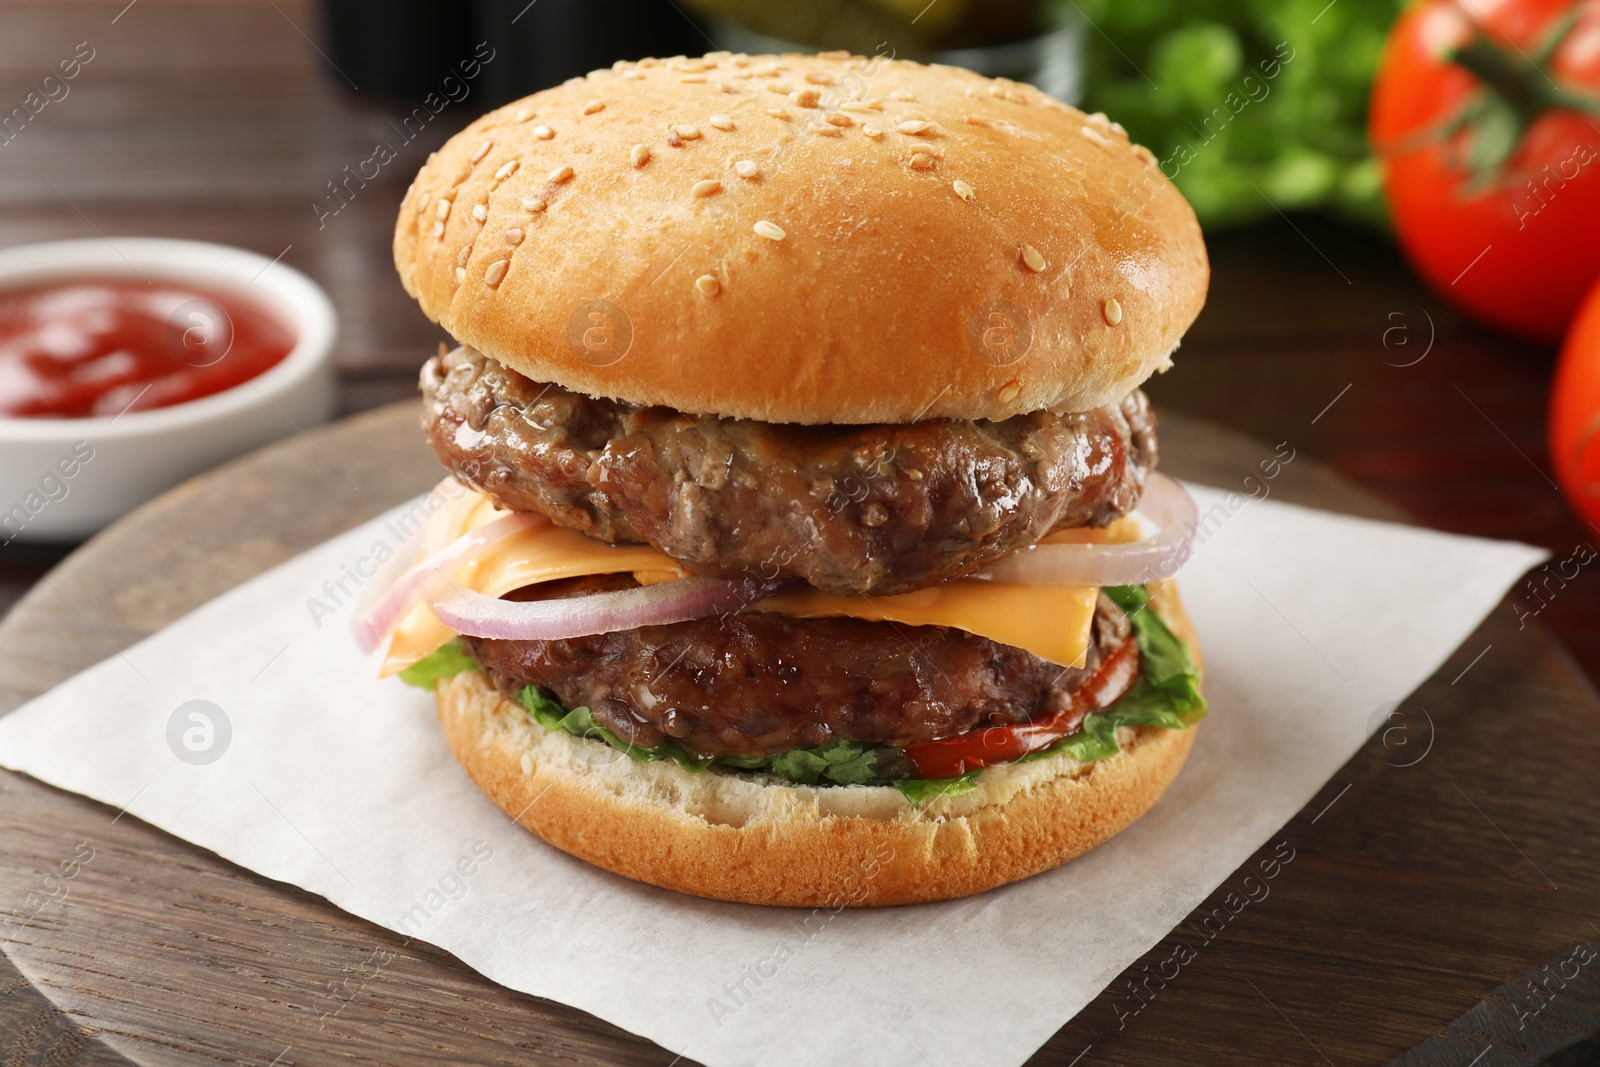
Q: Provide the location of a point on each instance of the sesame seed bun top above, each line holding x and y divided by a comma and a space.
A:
806, 239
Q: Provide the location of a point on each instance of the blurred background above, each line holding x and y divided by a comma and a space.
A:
1345, 318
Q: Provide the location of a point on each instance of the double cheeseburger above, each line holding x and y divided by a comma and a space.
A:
803, 543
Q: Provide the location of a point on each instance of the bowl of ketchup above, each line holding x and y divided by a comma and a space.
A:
129, 365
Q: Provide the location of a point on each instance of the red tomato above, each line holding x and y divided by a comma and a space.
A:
950, 756
1575, 413
1486, 117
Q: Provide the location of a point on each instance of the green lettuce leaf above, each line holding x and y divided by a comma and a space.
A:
919, 790
1168, 665
839, 762
580, 722
446, 661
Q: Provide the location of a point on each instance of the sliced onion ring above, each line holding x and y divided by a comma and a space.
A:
1165, 503
475, 615
420, 580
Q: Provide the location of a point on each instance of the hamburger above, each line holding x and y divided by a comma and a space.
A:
802, 542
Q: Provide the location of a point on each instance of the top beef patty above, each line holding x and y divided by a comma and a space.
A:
851, 509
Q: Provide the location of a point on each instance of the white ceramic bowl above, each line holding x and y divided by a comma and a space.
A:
50, 491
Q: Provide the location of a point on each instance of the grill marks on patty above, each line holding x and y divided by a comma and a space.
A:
851, 509
755, 683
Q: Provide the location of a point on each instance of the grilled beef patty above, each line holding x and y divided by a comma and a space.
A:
851, 509
753, 683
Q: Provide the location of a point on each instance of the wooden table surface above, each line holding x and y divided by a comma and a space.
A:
216, 121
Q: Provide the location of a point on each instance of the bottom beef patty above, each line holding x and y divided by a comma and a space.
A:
756, 683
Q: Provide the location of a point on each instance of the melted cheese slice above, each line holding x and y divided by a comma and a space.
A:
1052, 622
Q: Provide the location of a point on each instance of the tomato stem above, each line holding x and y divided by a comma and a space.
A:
1522, 83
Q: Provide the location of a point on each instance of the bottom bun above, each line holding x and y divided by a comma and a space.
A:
758, 840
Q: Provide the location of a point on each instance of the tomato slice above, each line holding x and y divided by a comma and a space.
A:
950, 756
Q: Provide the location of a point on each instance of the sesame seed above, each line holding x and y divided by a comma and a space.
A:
914, 474
443, 209
1101, 118
1033, 259
977, 120
593, 106
673, 140
525, 114
543, 132
461, 275
858, 106
438, 229
496, 272
872, 131
621, 64
806, 97
728, 87
688, 132
507, 170
463, 255
839, 118
1112, 311
693, 79
1117, 127
633, 75
514, 235
746, 168
422, 203
824, 129
640, 155
1144, 155
778, 112
766, 70
708, 285
771, 231
709, 187
915, 126
913, 113
921, 161
482, 150
963, 190
559, 175
1010, 391
820, 77
480, 211
534, 203
1095, 135
739, 59
721, 122
780, 87
902, 94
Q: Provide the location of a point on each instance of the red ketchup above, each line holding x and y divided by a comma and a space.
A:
79, 348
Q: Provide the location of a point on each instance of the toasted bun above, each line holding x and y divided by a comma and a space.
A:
1030, 257
761, 841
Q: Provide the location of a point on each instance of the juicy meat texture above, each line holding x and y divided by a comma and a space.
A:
755, 683
851, 509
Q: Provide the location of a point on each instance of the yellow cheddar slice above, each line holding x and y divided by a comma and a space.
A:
1052, 622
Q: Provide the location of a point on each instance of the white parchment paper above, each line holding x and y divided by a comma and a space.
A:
341, 784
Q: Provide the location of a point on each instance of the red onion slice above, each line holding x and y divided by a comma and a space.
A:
679, 600
420, 580
1165, 503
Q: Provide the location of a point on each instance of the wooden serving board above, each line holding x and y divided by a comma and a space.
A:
1413, 891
